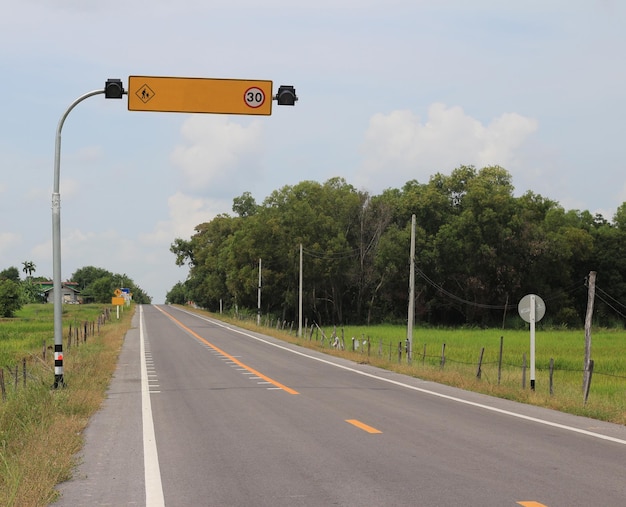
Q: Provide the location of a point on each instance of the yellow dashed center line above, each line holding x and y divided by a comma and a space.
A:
362, 426
232, 358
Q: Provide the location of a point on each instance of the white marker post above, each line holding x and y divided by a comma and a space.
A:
531, 309
532, 341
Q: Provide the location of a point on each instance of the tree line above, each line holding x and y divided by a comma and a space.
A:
479, 250
96, 285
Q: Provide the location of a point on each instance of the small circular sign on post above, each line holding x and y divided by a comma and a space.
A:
254, 97
524, 308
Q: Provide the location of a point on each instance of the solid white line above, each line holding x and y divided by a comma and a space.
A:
152, 472
422, 390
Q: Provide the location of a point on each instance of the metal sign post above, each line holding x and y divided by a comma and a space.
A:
57, 298
531, 309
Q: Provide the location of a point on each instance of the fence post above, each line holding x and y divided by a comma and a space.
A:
443, 356
588, 379
2, 387
551, 376
399, 352
480, 363
500, 359
424, 356
524, 371
24, 371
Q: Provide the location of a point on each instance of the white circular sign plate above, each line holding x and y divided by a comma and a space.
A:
524, 308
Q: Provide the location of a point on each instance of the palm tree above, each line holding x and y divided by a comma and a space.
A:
29, 268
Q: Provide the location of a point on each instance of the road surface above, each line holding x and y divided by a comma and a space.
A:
200, 413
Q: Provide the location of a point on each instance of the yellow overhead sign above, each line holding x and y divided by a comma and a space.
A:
199, 95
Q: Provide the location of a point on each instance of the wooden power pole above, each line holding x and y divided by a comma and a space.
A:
591, 294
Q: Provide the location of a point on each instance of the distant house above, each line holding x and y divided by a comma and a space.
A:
69, 292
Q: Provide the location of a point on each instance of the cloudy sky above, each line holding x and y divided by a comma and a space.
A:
389, 91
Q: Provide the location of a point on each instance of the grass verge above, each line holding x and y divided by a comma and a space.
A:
41, 428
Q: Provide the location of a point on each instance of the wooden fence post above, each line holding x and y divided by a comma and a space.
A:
551, 376
443, 356
500, 359
480, 363
2, 387
588, 379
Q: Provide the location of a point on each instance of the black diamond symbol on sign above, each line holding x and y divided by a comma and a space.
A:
145, 93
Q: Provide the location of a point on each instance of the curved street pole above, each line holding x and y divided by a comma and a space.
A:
56, 248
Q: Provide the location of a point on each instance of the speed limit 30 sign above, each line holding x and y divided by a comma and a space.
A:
254, 97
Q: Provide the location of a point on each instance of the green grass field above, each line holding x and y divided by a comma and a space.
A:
26, 334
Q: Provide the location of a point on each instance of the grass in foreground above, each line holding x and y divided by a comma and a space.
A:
41, 428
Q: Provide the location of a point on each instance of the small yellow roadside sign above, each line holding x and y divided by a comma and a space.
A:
118, 301
117, 292
199, 95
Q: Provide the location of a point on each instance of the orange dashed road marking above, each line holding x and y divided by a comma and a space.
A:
362, 426
531, 504
232, 358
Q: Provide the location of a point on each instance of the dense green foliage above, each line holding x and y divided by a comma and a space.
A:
479, 250
97, 285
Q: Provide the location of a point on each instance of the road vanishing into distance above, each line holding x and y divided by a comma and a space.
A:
201, 413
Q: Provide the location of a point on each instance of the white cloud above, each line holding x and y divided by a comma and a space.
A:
185, 213
213, 150
8, 240
399, 146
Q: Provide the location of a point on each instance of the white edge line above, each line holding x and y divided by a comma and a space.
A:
152, 472
419, 389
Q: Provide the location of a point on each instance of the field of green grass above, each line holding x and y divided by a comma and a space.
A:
32, 327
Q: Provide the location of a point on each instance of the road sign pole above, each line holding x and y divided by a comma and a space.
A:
57, 298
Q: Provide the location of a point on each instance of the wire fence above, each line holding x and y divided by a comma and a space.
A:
18, 374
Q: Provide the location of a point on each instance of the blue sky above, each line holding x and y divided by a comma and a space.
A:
389, 91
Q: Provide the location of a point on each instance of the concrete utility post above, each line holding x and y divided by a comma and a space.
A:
411, 311
113, 89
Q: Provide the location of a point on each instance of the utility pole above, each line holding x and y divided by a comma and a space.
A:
258, 312
591, 295
411, 316
300, 298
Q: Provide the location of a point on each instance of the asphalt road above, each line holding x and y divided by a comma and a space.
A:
203, 414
